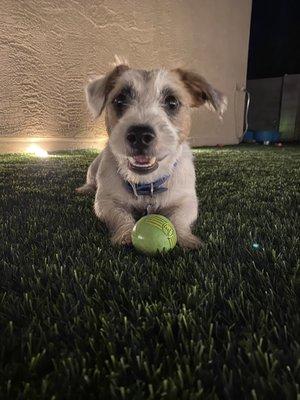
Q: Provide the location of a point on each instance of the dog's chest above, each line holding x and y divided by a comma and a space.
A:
157, 203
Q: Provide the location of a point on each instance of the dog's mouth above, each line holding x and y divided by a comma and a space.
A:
142, 164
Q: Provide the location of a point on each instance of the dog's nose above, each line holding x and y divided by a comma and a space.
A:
140, 136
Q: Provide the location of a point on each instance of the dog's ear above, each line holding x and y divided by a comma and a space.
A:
201, 92
98, 89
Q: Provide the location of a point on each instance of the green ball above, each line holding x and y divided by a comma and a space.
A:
154, 233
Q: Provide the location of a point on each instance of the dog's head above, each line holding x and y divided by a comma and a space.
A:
148, 115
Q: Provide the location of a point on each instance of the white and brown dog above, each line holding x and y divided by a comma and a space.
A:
147, 163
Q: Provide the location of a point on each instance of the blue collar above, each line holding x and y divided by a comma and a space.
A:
148, 189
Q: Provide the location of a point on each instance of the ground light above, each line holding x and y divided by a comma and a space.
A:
37, 151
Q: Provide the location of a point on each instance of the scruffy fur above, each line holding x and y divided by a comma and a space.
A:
114, 204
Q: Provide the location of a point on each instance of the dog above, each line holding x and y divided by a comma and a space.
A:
147, 164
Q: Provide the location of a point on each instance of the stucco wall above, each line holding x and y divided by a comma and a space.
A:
49, 47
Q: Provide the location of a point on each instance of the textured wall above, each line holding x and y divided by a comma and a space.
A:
49, 47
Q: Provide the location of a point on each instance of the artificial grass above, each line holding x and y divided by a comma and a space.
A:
81, 319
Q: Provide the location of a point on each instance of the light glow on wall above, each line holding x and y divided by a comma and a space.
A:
37, 151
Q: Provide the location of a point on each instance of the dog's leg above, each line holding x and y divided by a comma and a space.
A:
119, 221
183, 216
120, 224
90, 186
85, 189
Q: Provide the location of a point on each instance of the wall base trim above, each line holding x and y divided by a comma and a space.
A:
21, 144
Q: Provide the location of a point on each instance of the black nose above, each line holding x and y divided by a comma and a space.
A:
140, 136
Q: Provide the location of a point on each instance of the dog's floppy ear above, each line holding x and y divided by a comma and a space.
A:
202, 92
98, 89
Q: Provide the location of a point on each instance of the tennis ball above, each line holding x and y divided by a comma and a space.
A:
154, 233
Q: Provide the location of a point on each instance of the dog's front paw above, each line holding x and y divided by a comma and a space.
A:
122, 238
189, 241
86, 189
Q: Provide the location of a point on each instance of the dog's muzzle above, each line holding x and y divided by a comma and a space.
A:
140, 138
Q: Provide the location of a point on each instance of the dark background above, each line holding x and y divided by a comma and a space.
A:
274, 47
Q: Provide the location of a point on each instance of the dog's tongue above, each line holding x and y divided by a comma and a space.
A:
142, 159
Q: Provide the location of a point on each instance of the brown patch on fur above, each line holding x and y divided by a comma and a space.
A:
112, 78
183, 119
202, 92
197, 86
98, 89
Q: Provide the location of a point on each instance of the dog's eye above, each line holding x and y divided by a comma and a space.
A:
171, 102
120, 101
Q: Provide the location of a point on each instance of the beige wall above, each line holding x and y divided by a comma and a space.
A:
49, 47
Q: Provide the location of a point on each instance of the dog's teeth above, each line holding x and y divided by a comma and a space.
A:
133, 161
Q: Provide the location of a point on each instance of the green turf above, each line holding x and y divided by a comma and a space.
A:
81, 319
